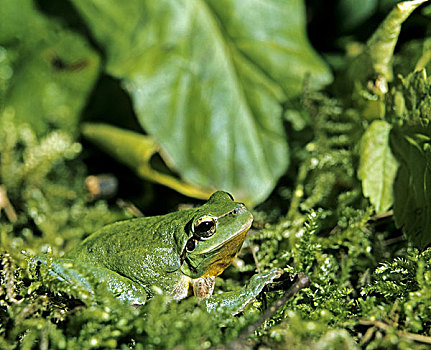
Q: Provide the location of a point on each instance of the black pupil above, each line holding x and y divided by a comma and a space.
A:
205, 226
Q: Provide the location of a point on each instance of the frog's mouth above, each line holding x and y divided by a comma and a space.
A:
224, 253
241, 232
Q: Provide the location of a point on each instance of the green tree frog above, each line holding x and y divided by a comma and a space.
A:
180, 253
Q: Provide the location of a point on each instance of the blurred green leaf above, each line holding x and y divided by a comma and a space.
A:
207, 79
46, 71
382, 44
410, 142
412, 188
375, 62
377, 166
353, 12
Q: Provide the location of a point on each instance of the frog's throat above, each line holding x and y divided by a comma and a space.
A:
226, 254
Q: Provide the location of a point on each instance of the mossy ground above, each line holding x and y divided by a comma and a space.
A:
369, 289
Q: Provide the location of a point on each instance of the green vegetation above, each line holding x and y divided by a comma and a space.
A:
334, 157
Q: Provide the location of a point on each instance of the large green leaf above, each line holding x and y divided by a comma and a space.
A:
377, 167
410, 141
46, 71
412, 188
207, 79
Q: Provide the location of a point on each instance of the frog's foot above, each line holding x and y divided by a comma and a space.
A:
235, 302
87, 281
259, 281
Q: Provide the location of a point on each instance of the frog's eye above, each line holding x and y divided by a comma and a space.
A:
204, 227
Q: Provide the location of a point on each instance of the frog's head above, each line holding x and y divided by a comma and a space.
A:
215, 235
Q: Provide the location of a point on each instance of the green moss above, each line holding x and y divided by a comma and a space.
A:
370, 289
44, 181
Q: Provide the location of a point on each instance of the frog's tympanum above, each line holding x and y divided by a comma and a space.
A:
180, 253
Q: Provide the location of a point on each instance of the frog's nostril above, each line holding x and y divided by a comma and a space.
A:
239, 209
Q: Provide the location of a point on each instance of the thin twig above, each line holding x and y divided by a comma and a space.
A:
7, 205
130, 207
384, 215
367, 336
299, 191
253, 253
384, 326
302, 281
394, 240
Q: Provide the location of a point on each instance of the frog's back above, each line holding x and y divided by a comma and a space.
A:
124, 236
144, 249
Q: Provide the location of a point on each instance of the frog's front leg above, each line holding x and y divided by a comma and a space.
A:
235, 302
203, 287
89, 278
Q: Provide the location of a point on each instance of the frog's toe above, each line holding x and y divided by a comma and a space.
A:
276, 272
260, 280
286, 280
